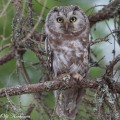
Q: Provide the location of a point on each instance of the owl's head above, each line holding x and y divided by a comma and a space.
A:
66, 20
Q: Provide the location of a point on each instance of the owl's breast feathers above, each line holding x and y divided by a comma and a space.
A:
69, 56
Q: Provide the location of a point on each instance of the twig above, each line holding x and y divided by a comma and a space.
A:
7, 57
5, 46
94, 7
103, 39
5, 8
29, 111
110, 67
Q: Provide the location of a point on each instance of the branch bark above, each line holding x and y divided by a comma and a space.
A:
7, 57
53, 85
107, 12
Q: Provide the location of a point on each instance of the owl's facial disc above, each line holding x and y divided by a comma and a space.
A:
65, 20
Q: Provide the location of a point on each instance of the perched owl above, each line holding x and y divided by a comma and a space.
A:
67, 30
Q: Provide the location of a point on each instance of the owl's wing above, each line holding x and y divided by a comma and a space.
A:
47, 46
49, 54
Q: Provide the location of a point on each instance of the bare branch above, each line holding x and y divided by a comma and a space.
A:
46, 86
53, 85
109, 11
29, 111
110, 67
7, 57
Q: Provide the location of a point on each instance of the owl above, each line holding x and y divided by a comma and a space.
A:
67, 42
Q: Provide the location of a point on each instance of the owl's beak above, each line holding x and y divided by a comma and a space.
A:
66, 25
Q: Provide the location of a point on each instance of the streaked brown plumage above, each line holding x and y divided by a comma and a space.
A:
67, 30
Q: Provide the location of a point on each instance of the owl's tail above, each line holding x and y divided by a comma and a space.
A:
67, 102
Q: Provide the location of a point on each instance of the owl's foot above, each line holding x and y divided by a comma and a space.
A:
65, 76
77, 76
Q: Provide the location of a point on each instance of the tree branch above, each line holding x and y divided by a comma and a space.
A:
53, 85
107, 12
110, 67
7, 57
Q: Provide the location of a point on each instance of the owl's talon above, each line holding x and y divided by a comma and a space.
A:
77, 76
65, 77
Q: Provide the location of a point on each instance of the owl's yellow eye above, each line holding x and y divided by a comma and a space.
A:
73, 19
60, 20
